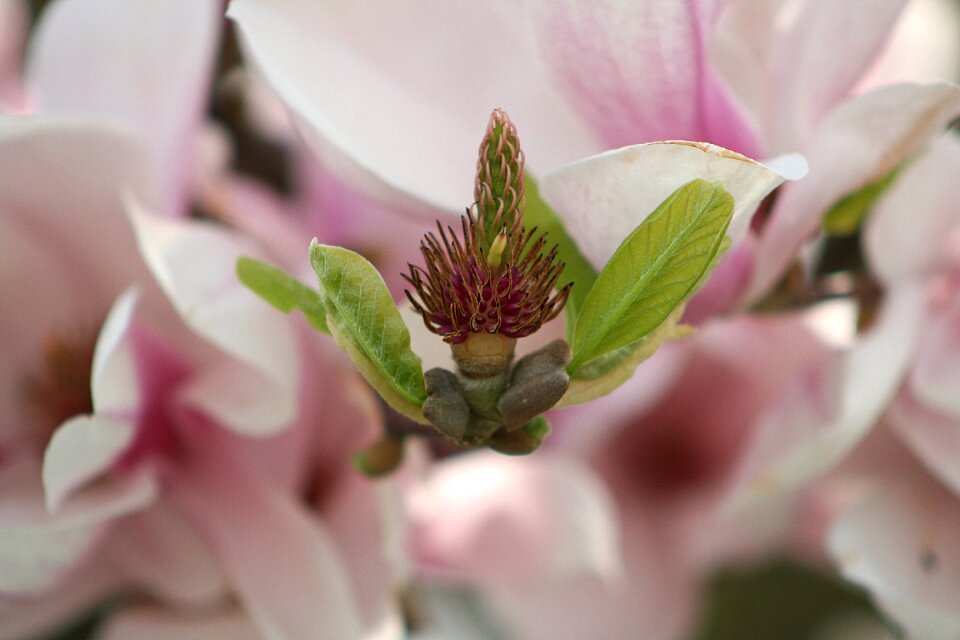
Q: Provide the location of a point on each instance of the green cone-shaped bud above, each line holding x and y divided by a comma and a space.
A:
498, 190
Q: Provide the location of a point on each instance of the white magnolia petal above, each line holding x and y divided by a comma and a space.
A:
637, 71
195, 265
603, 198
36, 548
280, 560
117, 60
114, 382
506, 521
395, 97
860, 141
901, 544
780, 57
832, 408
911, 229
157, 623
83, 448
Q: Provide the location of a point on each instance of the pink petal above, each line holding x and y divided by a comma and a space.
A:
159, 550
500, 520
638, 71
14, 25
780, 58
831, 408
933, 437
278, 558
155, 623
603, 198
936, 376
901, 544
922, 48
38, 549
30, 617
395, 98
910, 231
860, 141
117, 61
82, 220
194, 263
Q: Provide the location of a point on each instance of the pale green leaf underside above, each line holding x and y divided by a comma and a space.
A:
364, 310
283, 291
653, 271
576, 268
604, 374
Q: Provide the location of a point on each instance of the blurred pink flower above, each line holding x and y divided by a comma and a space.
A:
757, 77
900, 540
189, 464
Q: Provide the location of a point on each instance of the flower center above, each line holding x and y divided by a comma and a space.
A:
60, 388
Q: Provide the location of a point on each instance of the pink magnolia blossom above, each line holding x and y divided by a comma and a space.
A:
190, 415
756, 77
900, 540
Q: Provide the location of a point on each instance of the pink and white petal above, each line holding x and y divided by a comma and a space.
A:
780, 58
38, 549
395, 98
922, 48
860, 141
603, 198
365, 519
830, 408
194, 263
279, 559
83, 217
935, 378
83, 448
160, 551
501, 521
114, 382
914, 230
105, 59
638, 71
901, 544
34, 617
156, 623
933, 437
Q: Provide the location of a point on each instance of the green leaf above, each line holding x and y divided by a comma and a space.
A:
848, 213
576, 268
366, 323
602, 375
653, 271
283, 291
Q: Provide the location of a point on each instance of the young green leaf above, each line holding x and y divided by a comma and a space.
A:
283, 291
654, 270
604, 374
848, 213
576, 268
361, 308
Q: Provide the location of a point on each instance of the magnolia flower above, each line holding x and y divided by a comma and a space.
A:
183, 411
899, 540
355, 102
664, 452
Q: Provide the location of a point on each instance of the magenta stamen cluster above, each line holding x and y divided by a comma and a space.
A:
461, 293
